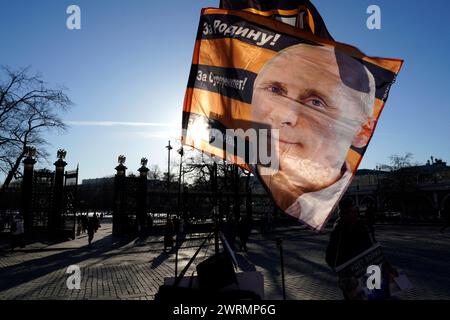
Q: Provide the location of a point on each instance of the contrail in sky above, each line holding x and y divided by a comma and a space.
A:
120, 123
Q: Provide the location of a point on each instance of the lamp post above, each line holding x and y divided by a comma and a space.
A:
378, 169
169, 148
215, 207
181, 153
279, 242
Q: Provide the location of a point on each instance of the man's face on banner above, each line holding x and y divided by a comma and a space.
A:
318, 99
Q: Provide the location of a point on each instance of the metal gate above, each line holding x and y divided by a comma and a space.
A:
42, 199
70, 207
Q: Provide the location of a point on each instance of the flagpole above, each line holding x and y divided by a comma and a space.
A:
169, 148
215, 209
181, 153
280, 246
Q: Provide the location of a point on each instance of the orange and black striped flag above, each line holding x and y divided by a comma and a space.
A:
301, 14
296, 109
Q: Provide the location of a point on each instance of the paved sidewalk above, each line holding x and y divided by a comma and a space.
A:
133, 269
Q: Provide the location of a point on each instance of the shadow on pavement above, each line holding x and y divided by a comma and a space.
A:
244, 264
27, 271
156, 262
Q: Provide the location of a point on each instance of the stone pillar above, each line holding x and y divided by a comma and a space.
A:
141, 213
27, 190
119, 189
55, 219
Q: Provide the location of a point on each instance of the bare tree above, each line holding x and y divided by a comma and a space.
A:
154, 172
399, 161
401, 182
198, 168
28, 108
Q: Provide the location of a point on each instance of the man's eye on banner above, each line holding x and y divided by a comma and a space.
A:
301, 14
295, 109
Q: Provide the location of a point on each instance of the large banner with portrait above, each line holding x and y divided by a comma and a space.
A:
295, 109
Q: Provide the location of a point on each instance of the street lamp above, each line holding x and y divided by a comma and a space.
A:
181, 153
169, 148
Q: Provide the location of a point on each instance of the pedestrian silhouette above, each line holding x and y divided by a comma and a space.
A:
446, 216
370, 220
17, 232
96, 222
349, 238
84, 222
91, 230
244, 232
168, 234
230, 231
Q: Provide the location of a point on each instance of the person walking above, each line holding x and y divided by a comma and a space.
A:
96, 222
176, 225
370, 220
168, 234
349, 238
79, 225
84, 222
244, 232
150, 222
17, 232
446, 216
181, 226
90, 230
230, 231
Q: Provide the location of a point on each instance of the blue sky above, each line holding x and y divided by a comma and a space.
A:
130, 63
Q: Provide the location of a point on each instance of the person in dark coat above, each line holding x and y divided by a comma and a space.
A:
349, 238
244, 229
230, 231
91, 229
149, 222
96, 222
446, 216
169, 231
370, 220
84, 222
17, 232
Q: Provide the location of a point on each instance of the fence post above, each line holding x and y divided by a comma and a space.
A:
119, 186
142, 195
27, 189
55, 222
